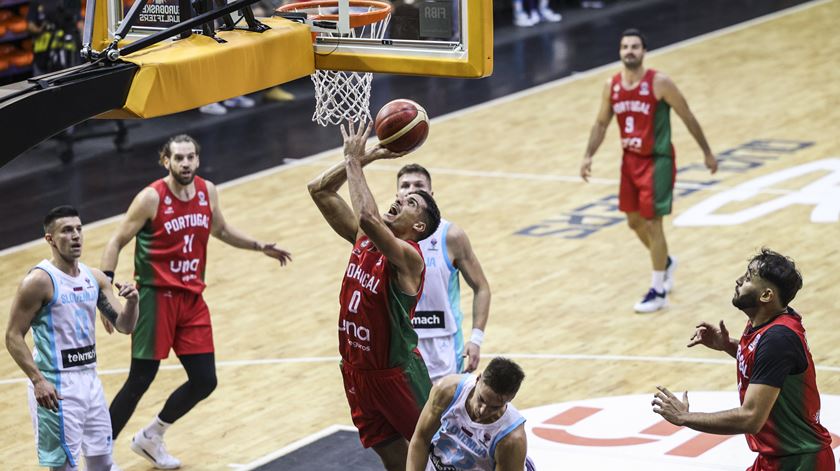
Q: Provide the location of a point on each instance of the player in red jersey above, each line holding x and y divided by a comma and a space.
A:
171, 221
780, 403
642, 99
385, 378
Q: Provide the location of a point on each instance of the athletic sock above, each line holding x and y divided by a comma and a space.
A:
157, 427
658, 281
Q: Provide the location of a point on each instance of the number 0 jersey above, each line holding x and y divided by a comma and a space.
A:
63, 330
643, 121
171, 249
374, 323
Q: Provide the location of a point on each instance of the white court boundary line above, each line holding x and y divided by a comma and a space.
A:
512, 355
496, 101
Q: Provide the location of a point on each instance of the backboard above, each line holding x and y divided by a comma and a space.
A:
450, 38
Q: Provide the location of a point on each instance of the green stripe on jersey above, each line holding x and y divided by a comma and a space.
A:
663, 184
143, 273
403, 337
144, 337
793, 435
662, 129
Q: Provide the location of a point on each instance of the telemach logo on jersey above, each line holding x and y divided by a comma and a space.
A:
429, 320
78, 356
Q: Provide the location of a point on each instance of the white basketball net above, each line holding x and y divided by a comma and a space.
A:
342, 95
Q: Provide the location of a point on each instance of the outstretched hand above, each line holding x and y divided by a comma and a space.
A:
273, 251
355, 139
711, 163
710, 336
669, 407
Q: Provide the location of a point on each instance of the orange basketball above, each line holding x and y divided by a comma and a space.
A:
402, 125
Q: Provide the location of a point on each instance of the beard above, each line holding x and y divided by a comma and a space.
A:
183, 181
745, 301
632, 63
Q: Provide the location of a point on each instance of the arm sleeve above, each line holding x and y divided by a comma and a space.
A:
779, 354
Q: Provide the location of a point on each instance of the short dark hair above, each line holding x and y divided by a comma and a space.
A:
166, 150
779, 270
432, 214
635, 32
503, 376
414, 168
57, 213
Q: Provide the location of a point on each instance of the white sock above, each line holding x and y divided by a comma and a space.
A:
157, 427
658, 281
517, 6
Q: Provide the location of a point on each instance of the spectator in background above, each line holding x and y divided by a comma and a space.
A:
54, 25
536, 11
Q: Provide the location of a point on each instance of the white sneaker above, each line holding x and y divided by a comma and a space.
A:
523, 19
669, 273
547, 14
213, 108
535, 17
151, 447
240, 102
652, 302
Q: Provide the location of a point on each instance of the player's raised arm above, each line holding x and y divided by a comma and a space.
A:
400, 254
123, 318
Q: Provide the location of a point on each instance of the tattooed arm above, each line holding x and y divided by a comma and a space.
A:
124, 318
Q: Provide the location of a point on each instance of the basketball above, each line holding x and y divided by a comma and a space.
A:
402, 125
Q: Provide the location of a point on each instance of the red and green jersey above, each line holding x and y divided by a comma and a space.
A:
793, 427
374, 323
643, 121
171, 249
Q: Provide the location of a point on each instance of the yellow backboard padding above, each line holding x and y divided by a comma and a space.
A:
176, 76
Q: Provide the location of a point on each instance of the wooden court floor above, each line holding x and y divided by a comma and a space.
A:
500, 170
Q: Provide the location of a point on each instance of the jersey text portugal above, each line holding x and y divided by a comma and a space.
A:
643, 121
171, 249
374, 323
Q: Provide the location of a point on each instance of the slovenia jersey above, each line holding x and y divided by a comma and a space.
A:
64, 329
438, 312
463, 445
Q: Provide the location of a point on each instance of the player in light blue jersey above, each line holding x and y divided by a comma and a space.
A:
437, 320
57, 300
468, 424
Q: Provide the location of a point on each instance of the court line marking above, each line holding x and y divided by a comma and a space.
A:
480, 106
512, 355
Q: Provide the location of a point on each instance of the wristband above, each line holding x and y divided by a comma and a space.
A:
477, 337
110, 275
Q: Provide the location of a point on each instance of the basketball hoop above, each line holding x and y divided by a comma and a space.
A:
343, 95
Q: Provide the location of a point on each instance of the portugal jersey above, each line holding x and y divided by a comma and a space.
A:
63, 330
643, 121
171, 249
374, 323
793, 427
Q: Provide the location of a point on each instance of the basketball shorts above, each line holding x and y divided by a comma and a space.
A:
82, 425
171, 319
647, 185
822, 460
443, 355
386, 404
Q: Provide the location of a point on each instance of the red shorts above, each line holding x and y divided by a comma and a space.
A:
647, 185
386, 404
822, 460
171, 319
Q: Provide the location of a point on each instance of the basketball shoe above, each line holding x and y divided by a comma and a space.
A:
150, 446
652, 302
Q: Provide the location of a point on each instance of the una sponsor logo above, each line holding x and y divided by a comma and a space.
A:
623, 433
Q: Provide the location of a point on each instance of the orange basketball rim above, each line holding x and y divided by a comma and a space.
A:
376, 11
